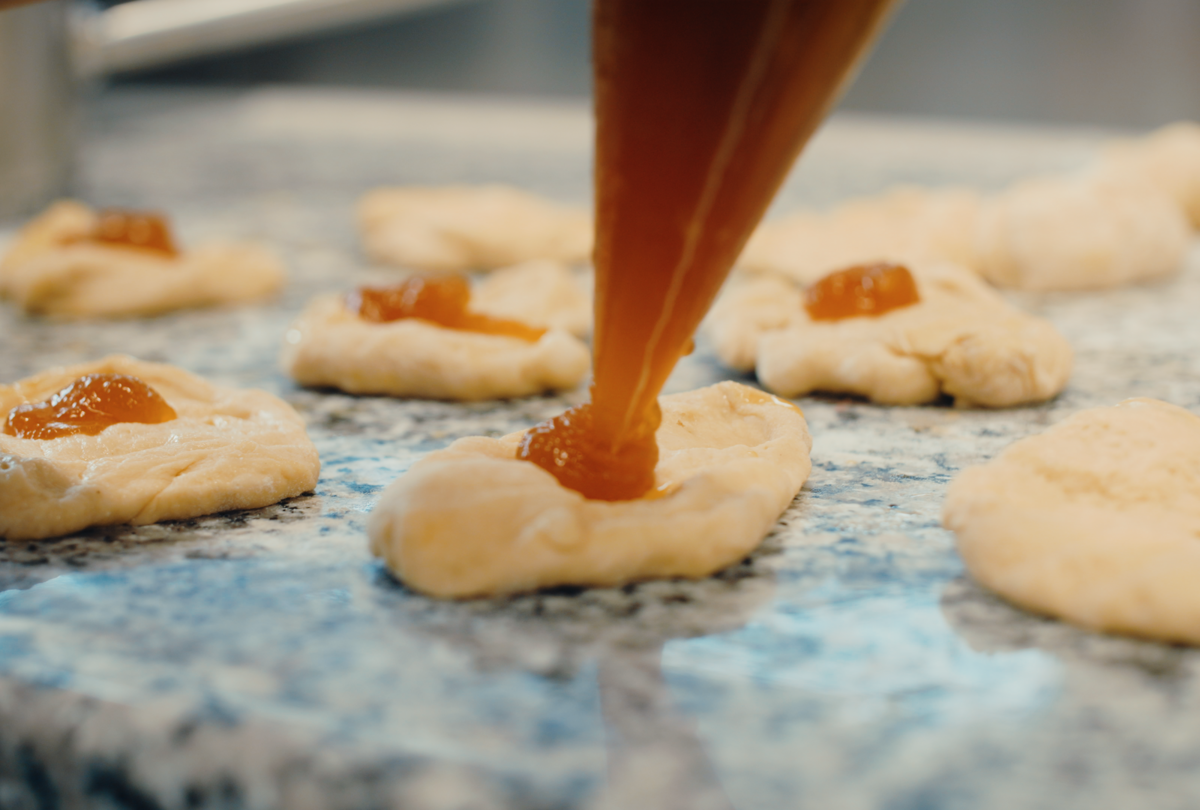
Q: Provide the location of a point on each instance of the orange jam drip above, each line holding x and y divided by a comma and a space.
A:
143, 230
89, 405
442, 301
570, 447
701, 109
865, 289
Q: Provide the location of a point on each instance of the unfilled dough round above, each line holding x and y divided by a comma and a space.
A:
905, 224
328, 345
1079, 233
1096, 521
228, 449
1169, 158
459, 228
46, 276
960, 339
472, 520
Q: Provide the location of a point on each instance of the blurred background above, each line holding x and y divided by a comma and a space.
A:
1116, 63
1099, 64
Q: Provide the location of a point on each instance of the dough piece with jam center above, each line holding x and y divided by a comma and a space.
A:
1094, 521
330, 345
58, 266
461, 228
961, 338
473, 521
224, 449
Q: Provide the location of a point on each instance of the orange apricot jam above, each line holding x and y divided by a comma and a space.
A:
570, 447
143, 230
89, 405
439, 300
865, 289
701, 109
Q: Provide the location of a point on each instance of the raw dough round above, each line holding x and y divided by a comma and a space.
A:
1067, 233
961, 339
1169, 158
459, 228
228, 449
328, 345
905, 224
48, 277
472, 520
1095, 521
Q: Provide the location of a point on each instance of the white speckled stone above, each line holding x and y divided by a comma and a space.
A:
263, 659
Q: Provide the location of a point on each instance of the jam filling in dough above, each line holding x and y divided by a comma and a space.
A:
331, 344
861, 290
442, 301
224, 449
88, 406
143, 230
460, 228
1094, 521
961, 338
74, 262
472, 521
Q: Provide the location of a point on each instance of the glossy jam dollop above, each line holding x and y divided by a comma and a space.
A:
439, 300
570, 448
144, 230
865, 289
89, 405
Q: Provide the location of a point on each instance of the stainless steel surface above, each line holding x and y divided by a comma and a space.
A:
37, 106
152, 32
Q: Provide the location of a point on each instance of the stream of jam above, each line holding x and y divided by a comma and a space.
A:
89, 405
144, 230
439, 300
865, 289
701, 109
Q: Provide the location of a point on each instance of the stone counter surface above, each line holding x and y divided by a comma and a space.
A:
263, 659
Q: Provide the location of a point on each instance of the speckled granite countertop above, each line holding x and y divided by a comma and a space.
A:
263, 659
